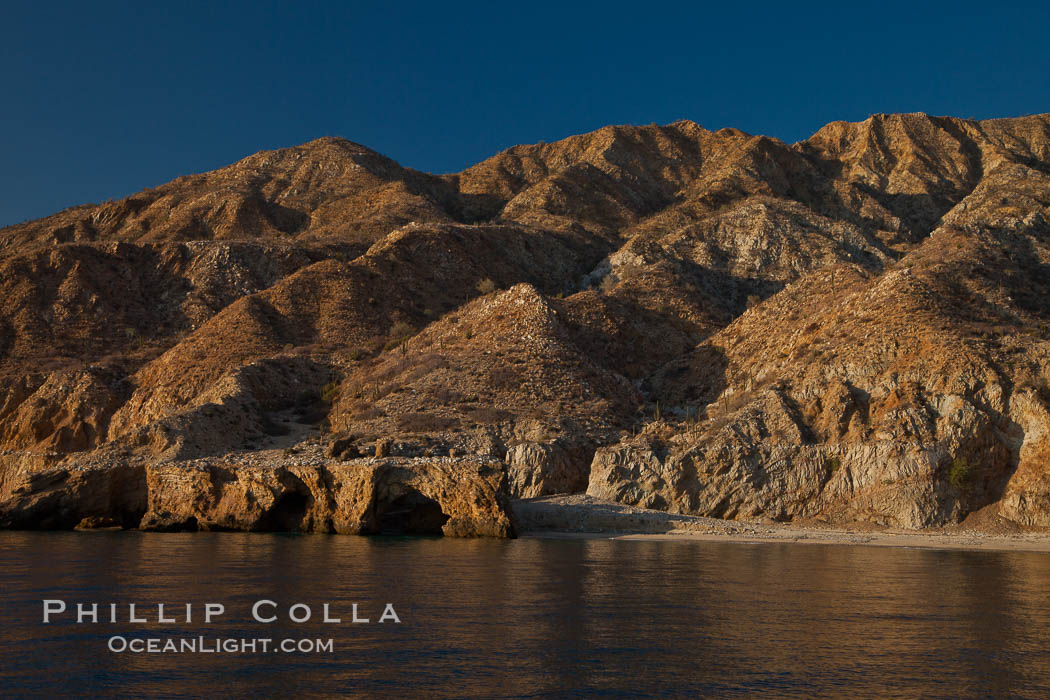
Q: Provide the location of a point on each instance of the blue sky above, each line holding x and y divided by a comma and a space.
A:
103, 99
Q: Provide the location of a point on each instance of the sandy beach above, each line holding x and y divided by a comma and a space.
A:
580, 516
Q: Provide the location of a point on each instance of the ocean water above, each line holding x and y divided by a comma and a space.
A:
524, 618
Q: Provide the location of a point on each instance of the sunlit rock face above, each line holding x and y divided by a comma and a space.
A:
466, 498
850, 328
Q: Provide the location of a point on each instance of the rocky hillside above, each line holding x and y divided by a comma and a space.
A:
852, 328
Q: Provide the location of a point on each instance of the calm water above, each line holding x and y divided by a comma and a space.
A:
532, 617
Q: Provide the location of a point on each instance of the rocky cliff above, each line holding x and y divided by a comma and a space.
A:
855, 327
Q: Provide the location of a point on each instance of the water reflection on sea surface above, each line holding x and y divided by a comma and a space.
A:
533, 617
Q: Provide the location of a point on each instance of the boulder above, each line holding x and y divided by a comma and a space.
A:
545, 468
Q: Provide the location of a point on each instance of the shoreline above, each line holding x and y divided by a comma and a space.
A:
779, 534
583, 517
899, 539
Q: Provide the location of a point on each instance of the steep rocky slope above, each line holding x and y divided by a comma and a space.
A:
851, 328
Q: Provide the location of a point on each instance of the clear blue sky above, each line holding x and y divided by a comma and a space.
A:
100, 100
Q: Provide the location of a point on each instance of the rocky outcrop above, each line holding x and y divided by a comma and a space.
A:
60, 499
1026, 498
69, 411
927, 461
465, 498
546, 468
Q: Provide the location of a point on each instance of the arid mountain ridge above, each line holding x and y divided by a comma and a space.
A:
851, 328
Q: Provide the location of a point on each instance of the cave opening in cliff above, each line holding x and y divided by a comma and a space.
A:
411, 514
287, 513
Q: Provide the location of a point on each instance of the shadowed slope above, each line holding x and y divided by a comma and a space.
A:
851, 327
